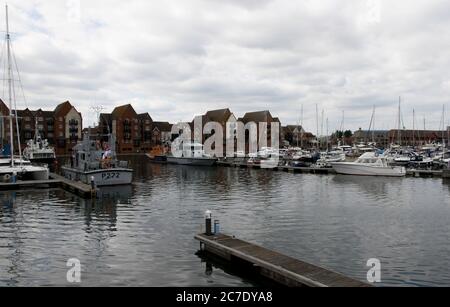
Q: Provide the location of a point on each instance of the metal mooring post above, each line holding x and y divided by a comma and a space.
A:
208, 216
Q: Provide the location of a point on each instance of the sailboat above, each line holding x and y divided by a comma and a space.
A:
16, 168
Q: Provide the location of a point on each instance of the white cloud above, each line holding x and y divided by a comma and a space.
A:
180, 58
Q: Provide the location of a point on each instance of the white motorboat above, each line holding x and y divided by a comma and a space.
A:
326, 158
38, 150
191, 154
369, 164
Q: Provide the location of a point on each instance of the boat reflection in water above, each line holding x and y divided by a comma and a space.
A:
121, 194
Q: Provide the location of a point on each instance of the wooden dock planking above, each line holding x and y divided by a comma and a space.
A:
76, 187
280, 268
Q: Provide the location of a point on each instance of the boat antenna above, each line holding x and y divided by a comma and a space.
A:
98, 110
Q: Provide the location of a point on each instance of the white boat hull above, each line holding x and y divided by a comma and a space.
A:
348, 168
25, 172
102, 177
191, 161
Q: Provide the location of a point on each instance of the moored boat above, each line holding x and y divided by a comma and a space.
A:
369, 164
192, 154
93, 160
38, 150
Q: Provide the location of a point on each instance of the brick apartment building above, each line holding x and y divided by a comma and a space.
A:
161, 133
262, 117
133, 131
61, 127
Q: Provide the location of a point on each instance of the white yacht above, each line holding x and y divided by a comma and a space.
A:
369, 164
191, 154
12, 168
38, 150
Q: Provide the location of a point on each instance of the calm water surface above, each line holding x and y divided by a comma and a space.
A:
143, 235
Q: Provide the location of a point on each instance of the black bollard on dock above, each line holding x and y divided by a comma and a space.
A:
208, 217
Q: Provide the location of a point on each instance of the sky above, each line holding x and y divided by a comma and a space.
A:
177, 59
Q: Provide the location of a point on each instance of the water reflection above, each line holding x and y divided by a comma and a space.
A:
142, 235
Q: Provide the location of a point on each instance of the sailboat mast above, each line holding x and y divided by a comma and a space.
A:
317, 124
301, 128
414, 127
8, 47
399, 121
443, 125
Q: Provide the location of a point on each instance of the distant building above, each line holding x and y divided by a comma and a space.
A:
133, 131
380, 137
384, 138
161, 133
262, 117
61, 127
418, 137
295, 135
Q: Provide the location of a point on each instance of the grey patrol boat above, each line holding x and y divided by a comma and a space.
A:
97, 161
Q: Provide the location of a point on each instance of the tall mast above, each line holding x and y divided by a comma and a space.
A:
8, 47
321, 129
301, 128
399, 136
443, 124
414, 127
317, 124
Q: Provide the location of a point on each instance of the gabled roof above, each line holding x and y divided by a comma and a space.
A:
259, 116
3, 108
163, 126
23, 113
292, 128
220, 115
63, 107
144, 116
120, 110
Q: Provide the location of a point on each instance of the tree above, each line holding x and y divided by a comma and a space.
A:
348, 134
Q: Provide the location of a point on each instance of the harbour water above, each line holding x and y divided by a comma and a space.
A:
143, 235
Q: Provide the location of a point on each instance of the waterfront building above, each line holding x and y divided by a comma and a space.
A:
133, 131
61, 127
380, 137
161, 133
296, 135
262, 117
419, 137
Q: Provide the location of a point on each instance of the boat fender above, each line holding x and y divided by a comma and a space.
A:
7, 177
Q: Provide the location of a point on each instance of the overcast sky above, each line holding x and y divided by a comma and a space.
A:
177, 59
